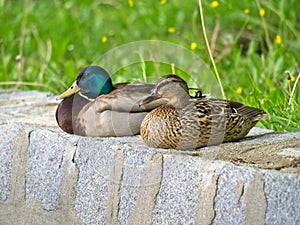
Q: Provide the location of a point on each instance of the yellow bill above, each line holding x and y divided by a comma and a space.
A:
72, 90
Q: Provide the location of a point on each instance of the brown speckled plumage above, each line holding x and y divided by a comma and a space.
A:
188, 123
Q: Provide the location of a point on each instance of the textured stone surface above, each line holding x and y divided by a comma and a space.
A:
6, 156
49, 177
95, 161
229, 201
45, 167
283, 197
28, 107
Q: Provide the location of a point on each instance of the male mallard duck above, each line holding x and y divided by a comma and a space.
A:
188, 123
93, 106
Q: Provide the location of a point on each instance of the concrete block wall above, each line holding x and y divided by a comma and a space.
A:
49, 177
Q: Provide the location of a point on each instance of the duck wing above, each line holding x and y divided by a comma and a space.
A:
126, 97
219, 106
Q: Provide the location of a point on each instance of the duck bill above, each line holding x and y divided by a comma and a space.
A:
72, 90
149, 99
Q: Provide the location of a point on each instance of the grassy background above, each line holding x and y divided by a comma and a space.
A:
43, 45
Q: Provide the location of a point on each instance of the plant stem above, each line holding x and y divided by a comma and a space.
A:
209, 50
294, 88
21, 59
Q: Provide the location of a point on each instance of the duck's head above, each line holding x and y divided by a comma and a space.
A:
170, 87
91, 82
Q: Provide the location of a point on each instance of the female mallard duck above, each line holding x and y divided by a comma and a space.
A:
188, 123
93, 106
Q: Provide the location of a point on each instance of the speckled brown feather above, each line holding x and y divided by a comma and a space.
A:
200, 122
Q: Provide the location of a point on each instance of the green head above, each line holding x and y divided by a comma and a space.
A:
91, 82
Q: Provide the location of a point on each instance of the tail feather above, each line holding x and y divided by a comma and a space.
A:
254, 113
248, 111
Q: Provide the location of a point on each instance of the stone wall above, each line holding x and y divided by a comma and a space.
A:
50, 177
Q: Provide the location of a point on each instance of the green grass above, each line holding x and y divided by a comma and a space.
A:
43, 45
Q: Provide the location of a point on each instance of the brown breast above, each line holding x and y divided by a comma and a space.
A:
68, 110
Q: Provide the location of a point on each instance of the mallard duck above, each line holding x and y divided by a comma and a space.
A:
187, 123
93, 106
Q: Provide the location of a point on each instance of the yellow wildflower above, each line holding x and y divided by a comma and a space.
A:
262, 11
130, 3
104, 39
214, 4
246, 11
193, 46
239, 90
278, 39
171, 29
293, 78
163, 2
